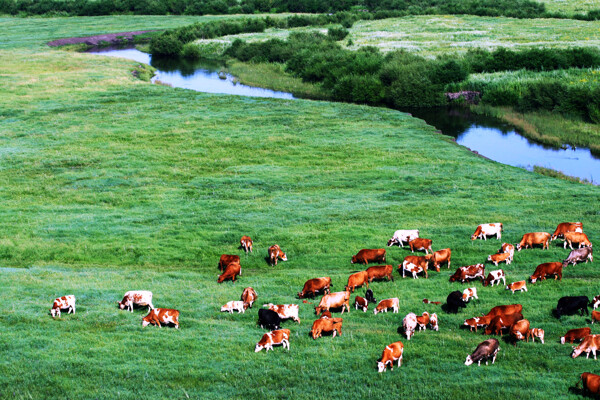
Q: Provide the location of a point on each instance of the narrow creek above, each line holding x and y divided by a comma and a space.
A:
489, 137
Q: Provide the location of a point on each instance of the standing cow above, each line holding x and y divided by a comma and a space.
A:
142, 298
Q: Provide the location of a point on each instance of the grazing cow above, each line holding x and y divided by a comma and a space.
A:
477, 322
366, 256
500, 322
238, 306
369, 296
249, 296
423, 320
520, 286
433, 322
391, 353
270, 339
403, 235
380, 272
439, 257
142, 298
469, 293
285, 311
326, 325
312, 286
420, 244
227, 259
362, 303
494, 277
63, 303
246, 243
409, 324
275, 254
419, 261
547, 269
162, 316
576, 237
519, 330
356, 280
504, 310
591, 384
596, 302
485, 230
469, 272
579, 255
529, 239
595, 316
484, 351
334, 300
231, 272
454, 301
383, 305
575, 334
535, 333
268, 319
569, 305
565, 227
498, 258
412, 269
507, 248
591, 343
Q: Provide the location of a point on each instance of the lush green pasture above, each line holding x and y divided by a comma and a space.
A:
571, 6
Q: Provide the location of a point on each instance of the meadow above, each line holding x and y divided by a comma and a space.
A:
110, 183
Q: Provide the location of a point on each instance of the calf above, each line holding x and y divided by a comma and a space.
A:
249, 296
409, 324
273, 338
433, 322
591, 343
498, 258
500, 322
454, 301
268, 319
275, 254
383, 305
520, 286
469, 293
231, 272
420, 244
285, 311
484, 351
423, 320
468, 273
380, 272
162, 316
312, 286
484, 230
595, 316
356, 280
564, 227
547, 269
391, 353
579, 255
569, 305
477, 322
366, 256
63, 303
507, 248
326, 325
238, 306
439, 257
519, 330
576, 237
535, 333
530, 239
362, 303
591, 384
402, 236
227, 259
246, 243
369, 296
142, 298
575, 334
334, 300
494, 277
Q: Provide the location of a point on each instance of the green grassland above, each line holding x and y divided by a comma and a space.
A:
570, 7
109, 183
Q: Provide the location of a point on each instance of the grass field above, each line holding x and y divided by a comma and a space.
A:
570, 7
110, 184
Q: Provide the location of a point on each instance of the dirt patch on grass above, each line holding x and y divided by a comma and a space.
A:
109, 38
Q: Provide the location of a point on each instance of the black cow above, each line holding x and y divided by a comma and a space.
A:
569, 305
579, 255
369, 296
454, 301
485, 350
268, 319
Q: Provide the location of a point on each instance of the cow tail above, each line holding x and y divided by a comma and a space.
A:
579, 381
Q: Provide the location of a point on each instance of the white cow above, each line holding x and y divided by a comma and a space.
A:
63, 303
285, 311
485, 230
136, 297
232, 306
403, 235
409, 324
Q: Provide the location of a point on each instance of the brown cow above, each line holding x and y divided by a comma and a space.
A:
362, 303
420, 244
249, 296
546, 269
423, 320
565, 227
576, 237
505, 310
269, 339
312, 286
469, 272
391, 353
530, 239
275, 254
383, 305
162, 316
439, 257
356, 280
231, 272
500, 257
520, 285
246, 243
326, 325
227, 259
334, 300
519, 330
591, 383
366, 256
575, 334
595, 316
501, 322
477, 322
380, 272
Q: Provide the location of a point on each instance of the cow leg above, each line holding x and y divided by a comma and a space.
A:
400, 360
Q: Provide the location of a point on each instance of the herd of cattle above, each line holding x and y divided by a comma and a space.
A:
500, 319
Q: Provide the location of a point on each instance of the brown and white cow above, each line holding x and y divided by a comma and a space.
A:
576, 237
380, 272
477, 322
469, 272
501, 322
519, 330
142, 298
520, 286
227, 259
533, 238
273, 338
63, 303
494, 277
383, 305
231, 272
246, 243
414, 265
232, 306
469, 293
285, 311
507, 248
423, 320
362, 303
403, 235
334, 300
366, 256
565, 227
326, 325
575, 334
591, 383
535, 333
433, 322
420, 244
356, 280
596, 301
409, 324
439, 257
162, 316
275, 253
249, 296
547, 269
484, 230
595, 316
391, 353
498, 258
590, 344
312, 286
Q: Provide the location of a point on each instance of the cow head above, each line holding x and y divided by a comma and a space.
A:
145, 322
518, 246
562, 340
381, 366
283, 256
354, 259
469, 360
258, 347
532, 278
577, 351
55, 311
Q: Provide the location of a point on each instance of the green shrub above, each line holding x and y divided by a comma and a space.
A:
337, 34
191, 51
166, 45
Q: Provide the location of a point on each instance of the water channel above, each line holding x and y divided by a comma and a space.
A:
490, 137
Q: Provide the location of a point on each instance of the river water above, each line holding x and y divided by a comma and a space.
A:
490, 137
